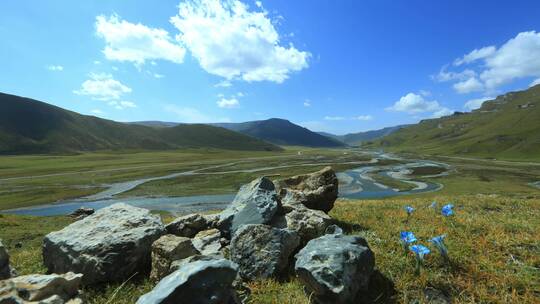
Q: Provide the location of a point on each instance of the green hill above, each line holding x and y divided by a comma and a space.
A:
358, 138
282, 132
506, 127
29, 126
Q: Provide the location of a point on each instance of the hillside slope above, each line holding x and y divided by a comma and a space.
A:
282, 132
29, 126
358, 138
507, 127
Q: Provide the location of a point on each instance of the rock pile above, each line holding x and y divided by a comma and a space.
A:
5, 270
41, 288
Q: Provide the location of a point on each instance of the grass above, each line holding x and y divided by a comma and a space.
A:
493, 243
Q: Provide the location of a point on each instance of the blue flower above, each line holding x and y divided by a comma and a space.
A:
409, 210
447, 210
419, 251
438, 241
407, 237
433, 205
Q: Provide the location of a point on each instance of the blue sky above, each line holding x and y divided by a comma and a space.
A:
337, 66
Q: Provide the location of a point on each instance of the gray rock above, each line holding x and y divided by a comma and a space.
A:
6, 271
107, 246
308, 223
255, 203
191, 224
167, 249
335, 267
202, 281
208, 242
317, 190
40, 288
262, 251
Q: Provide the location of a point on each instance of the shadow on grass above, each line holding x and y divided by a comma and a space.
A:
380, 290
350, 227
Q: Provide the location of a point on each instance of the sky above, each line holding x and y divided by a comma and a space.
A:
335, 66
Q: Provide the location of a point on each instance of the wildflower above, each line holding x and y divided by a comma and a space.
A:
433, 205
438, 241
419, 251
447, 210
409, 210
407, 238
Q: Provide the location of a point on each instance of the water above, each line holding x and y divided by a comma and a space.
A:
354, 184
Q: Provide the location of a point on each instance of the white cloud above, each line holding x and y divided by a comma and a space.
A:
240, 94
442, 112
55, 68
223, 84
233, 42
97, 62
258, 3
476, 103
535, 82
307, 103
425, 93
158, 76
444, 75
121, 105
470, 85
192, 115
475, 54
228, 103
136, 43
103, 87
335, 118
414, 103
364, 117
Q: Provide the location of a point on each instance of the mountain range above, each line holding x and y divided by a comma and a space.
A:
356, 139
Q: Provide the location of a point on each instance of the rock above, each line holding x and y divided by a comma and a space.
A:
255, 203
81, 213
208, 242
308, 223
107, 246
203, 281
335, 267
317, 190
40, 288
191, 224
262, 251
167, 249
6, 271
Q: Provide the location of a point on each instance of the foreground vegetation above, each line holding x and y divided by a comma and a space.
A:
493, 243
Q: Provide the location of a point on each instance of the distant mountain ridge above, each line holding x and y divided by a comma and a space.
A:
360, 137
28, 126
506, 127
282, 132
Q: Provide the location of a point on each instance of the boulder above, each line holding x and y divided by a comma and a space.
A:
262, 251
6, 271
40, 288
107, 246
308, 223
81, 213
335, 267
208, 242
317, 190
191, 224
167, 249
207, 280
255, 203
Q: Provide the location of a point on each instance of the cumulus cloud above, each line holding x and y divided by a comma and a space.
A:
136, 43
334, 118
445, 75
364, 117
55, 68
103, 87
470, 85
475, 54
476, 103
232, 41
228, 103
416, 103
223, 84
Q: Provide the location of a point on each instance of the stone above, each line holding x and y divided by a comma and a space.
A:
6, 271
335, 267
317, 190
41, 288
308, 223
208, 242
107, 246
255, 203
191, 224
262, 251
204, 281
81, 213
167, 249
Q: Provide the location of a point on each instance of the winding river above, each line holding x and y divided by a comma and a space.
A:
354, 184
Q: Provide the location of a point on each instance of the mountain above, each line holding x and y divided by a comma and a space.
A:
354, 139
506, 127
29, 126
155, 123
281, 132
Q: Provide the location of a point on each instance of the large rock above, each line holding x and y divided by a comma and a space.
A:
208, 242
262, 251
255, 203
317, 190
5, 270
109, 245
202, 281
335, 267
191, 224
167, 249
40, 288
308, 223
